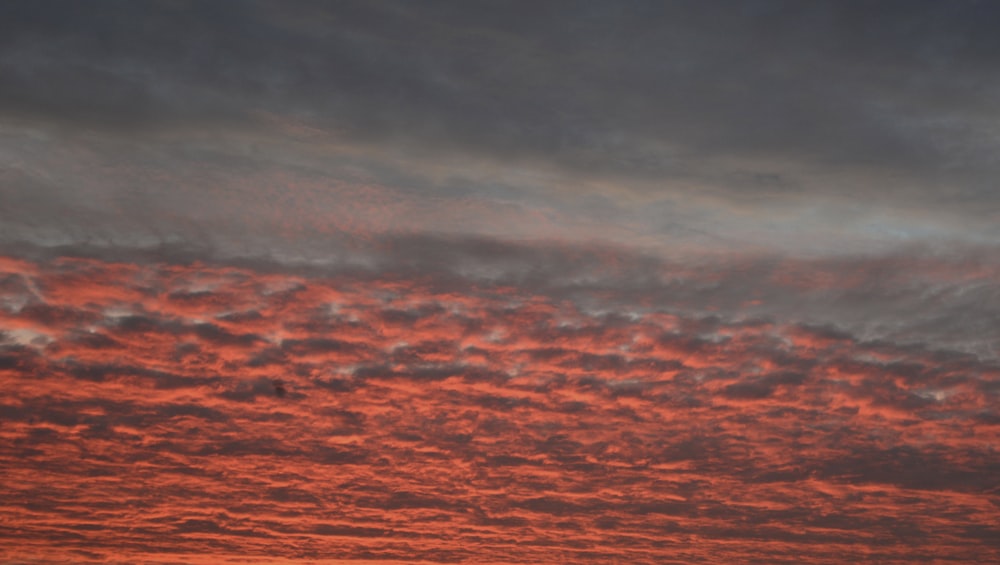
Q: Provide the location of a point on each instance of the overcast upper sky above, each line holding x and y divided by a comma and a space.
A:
617, 281
792, 126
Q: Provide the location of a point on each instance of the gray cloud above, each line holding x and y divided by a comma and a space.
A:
734, 121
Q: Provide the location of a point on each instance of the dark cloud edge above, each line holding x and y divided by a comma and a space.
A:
936, 298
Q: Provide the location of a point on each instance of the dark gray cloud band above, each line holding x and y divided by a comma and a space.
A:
853, 121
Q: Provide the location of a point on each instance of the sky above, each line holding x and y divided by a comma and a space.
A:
499, 282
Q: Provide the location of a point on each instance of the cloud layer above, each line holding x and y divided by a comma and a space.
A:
823, 127
641, 282
141, 421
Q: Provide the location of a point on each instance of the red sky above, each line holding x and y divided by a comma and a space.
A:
487, 425
468, 281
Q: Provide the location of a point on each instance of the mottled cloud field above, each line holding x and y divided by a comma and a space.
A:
436, 419
499, 282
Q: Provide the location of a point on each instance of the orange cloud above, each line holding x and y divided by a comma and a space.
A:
421, 423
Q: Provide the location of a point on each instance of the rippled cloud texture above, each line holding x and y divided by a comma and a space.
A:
439, 282
186, 412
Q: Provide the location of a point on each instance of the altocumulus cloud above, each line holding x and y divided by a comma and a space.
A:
632, 282
502, 421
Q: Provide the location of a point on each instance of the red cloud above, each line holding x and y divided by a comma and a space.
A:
141, 422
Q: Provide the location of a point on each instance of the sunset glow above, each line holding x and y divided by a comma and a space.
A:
449, 282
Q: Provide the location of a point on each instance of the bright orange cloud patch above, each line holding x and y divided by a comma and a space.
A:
182, 413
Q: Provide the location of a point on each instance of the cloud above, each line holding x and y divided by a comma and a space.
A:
566, 282
546, 419
715, 128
